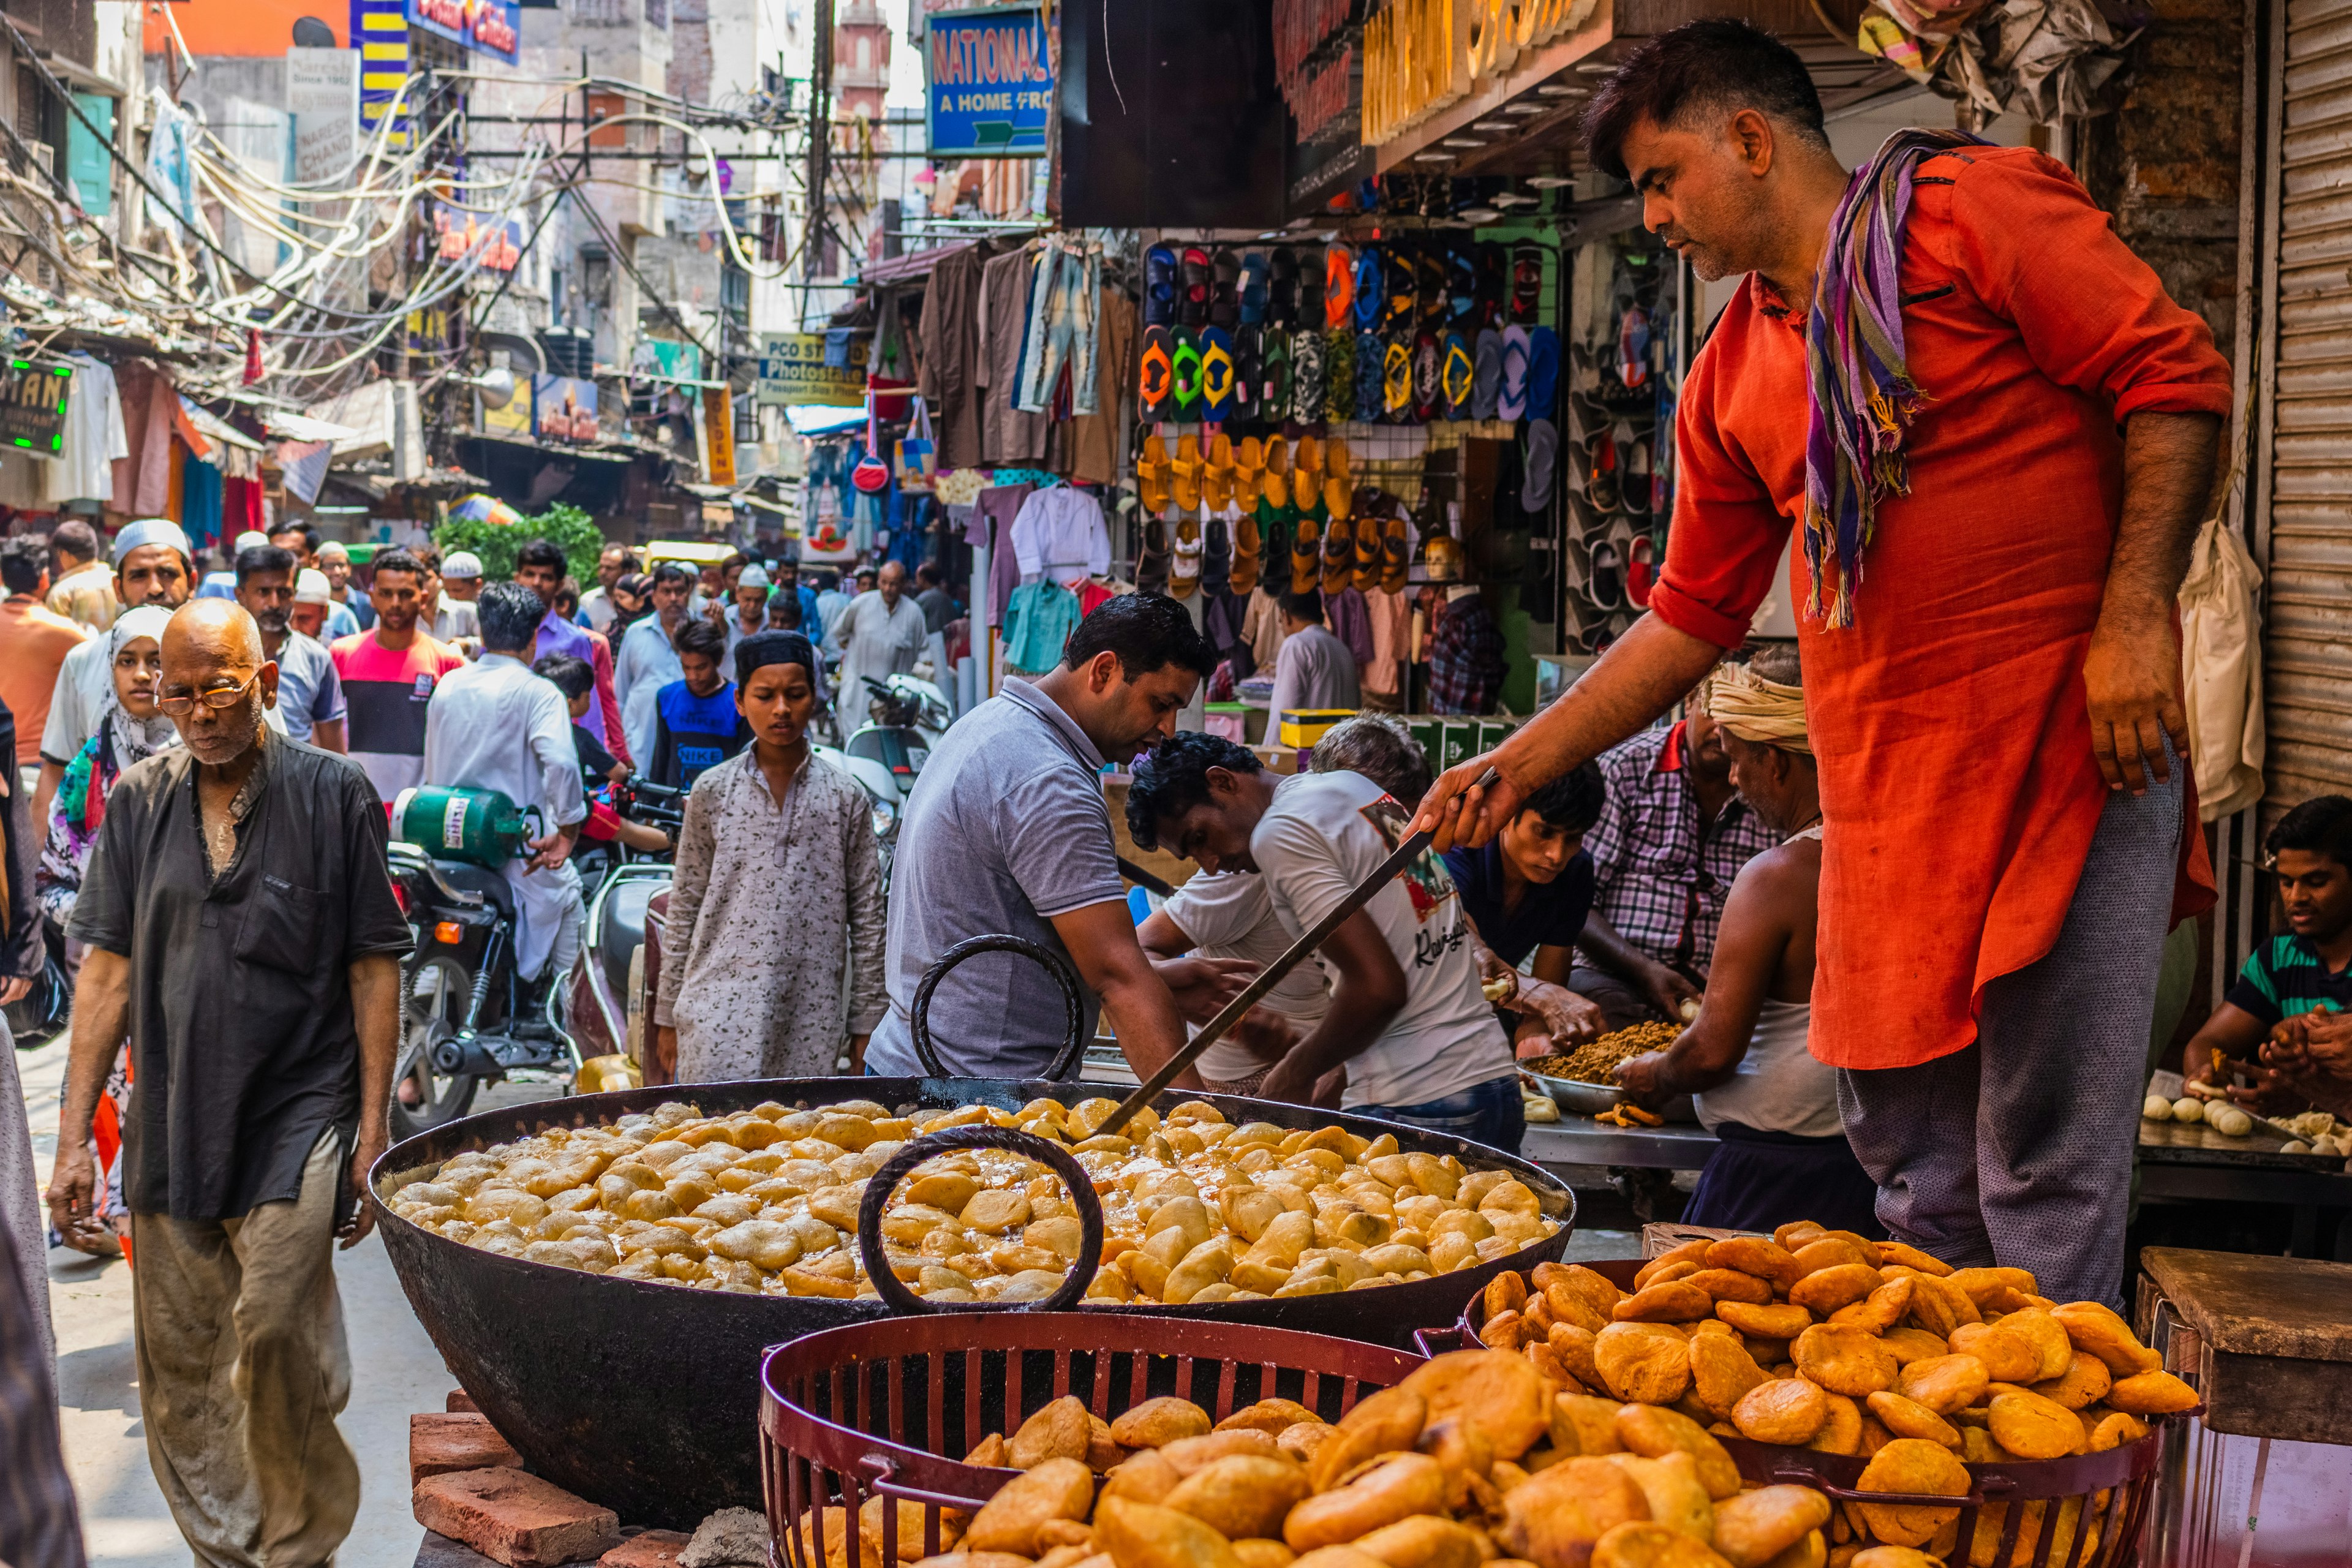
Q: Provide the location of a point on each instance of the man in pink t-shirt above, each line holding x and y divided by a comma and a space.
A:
388, 676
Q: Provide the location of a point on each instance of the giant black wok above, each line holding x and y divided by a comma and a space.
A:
645, 1397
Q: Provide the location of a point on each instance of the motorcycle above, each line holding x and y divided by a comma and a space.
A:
610, 990
465, 1015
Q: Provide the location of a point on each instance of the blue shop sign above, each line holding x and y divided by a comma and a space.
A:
486, 26
990, 83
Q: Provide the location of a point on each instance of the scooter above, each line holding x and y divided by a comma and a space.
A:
908, 716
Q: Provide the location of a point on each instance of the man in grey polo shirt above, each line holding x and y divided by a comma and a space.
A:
310, 692
1006, 832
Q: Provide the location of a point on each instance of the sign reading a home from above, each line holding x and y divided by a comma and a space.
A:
992, 85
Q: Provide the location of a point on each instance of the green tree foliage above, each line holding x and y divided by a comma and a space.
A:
496, 544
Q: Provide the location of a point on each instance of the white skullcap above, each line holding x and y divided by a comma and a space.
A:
463, 564
752, 577
310, 588
251, 539
151, 530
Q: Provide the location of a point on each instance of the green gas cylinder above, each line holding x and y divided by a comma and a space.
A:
481, 825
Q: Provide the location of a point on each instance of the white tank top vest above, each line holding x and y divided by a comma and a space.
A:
1778, 1087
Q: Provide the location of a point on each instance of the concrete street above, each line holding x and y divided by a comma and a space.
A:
396, 1372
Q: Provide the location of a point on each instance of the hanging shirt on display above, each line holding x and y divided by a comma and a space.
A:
1037, 622
1059, 533
83, 468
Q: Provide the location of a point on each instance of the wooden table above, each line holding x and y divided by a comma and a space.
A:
2182, 1162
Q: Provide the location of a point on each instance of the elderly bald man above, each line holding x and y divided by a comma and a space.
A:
254, 965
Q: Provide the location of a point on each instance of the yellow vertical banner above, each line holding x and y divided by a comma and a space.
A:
719, 436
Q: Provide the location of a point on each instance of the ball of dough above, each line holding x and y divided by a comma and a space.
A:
2231, 1121
2188, 1109
2156, 1107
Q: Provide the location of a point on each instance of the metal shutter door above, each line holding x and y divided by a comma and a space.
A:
2307, 653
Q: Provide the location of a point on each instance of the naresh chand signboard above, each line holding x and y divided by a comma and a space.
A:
992, 85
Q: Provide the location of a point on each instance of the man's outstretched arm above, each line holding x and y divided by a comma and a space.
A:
1643, 673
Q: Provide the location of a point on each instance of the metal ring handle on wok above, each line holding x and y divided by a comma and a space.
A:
885, 1182
919, 1017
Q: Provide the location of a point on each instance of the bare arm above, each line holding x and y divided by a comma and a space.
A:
101, 1018
327, 734
375, 1013
1747, 957
46, 789
1368, 995
1666, 988
1644, 672
1101, 937
2131, 677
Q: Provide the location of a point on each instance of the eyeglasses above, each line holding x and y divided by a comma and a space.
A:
227, 697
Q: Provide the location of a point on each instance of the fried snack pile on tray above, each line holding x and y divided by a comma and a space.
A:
1822, 1339
1473, 1458
1595, 1061
1194, 1208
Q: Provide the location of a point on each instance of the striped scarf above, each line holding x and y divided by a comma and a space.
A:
1864, 396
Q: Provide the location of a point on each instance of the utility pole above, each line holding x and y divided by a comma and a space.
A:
819, 147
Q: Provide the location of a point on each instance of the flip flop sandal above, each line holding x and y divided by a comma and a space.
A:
1512, 403
1526, 283
1186, 576
1184, 377
1249, 471
1369, 299
1430, 282
1371, 372
1152, 474
1542, 465
1151, 557
1276, 463
1308, 369
1403, 303
1606, 588
1428, 390
1600, 473
1369, 530
1249, 371
1273, 374
1282, 288
1155, 382
1633, 348
1192, 293
1339, 375
1493, 282
1543, 372
1339, 540
1306, 555
1486, 374
1224, 288
1637, 484
1185, 473
1160, 287
1217, 554
1339, 286
1336, 460
1274, 492
1396, 554
1247, 541
1216, 374
1456, 376
1254, 270
1217, 476
1396, 379
1641, 569
1462, 286
1306, 471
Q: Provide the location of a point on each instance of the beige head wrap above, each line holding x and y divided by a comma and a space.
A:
1759, 711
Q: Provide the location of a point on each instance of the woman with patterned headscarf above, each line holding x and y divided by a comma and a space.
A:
131, 729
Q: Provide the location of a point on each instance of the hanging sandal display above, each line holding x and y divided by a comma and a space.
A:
1185, 472
1156, 384
1338, 537
1152, 474
1151, 556
1369, 530
1186, 576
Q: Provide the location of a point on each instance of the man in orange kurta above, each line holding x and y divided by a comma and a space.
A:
2008, 837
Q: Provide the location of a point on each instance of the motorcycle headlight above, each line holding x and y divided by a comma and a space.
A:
886, 819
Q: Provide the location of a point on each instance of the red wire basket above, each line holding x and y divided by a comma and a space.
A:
882, 1409
2114, 1487
885, 1408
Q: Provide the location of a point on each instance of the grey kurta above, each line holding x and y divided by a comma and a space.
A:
772, 952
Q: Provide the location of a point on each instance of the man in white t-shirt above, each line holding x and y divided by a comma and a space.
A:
1228, 914
1406, 1018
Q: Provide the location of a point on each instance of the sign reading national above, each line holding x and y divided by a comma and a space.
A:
991, 84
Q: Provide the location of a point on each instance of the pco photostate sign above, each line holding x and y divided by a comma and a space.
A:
992, 85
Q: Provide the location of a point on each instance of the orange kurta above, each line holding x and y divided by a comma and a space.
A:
1956, 776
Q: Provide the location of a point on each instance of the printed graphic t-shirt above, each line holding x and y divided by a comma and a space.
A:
385, 694
694, 734
1324, 834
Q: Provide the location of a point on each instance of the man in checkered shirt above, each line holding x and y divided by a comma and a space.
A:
1672, 837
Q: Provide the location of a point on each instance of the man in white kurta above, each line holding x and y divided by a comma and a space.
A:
881, 635
496, 725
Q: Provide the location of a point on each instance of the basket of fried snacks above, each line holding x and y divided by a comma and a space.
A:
1865, 1369
1464, 1461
